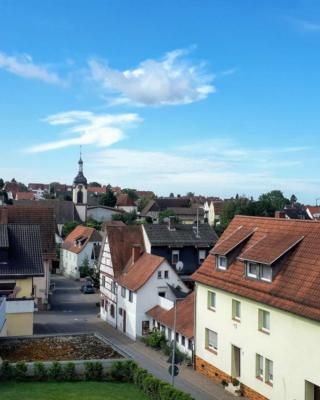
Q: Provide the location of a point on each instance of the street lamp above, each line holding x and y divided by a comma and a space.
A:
179, 267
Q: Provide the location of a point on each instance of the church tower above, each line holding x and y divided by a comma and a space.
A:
80, 192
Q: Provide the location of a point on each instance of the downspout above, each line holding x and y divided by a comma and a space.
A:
194, 327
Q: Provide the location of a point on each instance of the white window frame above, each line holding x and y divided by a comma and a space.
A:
269, 279
173, 254
201, 259
123, 292
268, 368
259, 366
212, 347
250, 274
131, 296
166, 274
236, 306
159, 275
212, 295
222, 267
264, 316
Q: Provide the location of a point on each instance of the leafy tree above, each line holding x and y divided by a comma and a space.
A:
293, 200
171, 194
1, 183
190, 194
166, 214
128, 218
92, 223
69, 227
108, 199
132, 193
272, 201
94, 184
22, 187
142, 202
13, 180
53, 187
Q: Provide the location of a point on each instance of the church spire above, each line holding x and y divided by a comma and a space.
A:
80, 178
80, 162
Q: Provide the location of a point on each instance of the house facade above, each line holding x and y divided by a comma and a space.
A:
257, 316
102, 213
125, 203
77, 249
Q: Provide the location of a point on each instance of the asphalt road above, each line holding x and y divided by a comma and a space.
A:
74, 312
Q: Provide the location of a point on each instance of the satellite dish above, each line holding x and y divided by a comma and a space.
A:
179, 266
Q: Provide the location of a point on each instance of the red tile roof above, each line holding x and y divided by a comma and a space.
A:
97, 189
124, 200
296, 286
230, 241
137, 274
79, 237
184, 316
24, 196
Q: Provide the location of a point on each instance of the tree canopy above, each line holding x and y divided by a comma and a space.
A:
108, 199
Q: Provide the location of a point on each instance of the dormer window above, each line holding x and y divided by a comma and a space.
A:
253, 270
222, 263
262, 272
266, 273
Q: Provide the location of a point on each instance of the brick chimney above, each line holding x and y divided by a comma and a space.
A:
279, 214
3, 215
136, 251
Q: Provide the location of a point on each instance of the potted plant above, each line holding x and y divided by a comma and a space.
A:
234, 388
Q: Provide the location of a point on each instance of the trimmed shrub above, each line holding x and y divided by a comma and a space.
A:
123, 370
69, 371
156, 339
93, 371
6, 371
20, 371
235, 382
55, 371
40, 371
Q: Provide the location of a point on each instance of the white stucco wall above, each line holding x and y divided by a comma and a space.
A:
292, 344
42, 283
70, 261
100, 214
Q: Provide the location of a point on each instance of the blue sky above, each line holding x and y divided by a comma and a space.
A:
215, 97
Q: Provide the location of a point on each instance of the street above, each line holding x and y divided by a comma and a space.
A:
74, 312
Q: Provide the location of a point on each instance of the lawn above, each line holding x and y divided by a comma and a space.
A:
70, 391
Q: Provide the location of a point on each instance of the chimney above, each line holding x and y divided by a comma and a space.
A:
279, 214
171, 220
136, 251
3, 215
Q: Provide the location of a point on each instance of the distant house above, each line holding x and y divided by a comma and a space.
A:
11, 188
97, 190
21, 263
125, 203
213, 210
117, 246
44, 217
77, 248
292, 213
155, 206
25, 196
145, 281
145, 193
313, 212
163, 320
102, 213
180, 242
190, 215
39, 190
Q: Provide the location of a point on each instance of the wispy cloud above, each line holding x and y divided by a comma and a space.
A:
24, 66
305, 25
101, 130
172, 80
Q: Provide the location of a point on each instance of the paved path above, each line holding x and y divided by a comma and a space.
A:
74, 312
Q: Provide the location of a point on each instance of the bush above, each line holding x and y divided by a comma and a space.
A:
55, 371
20, 370
6, 371
123, 370
156, 339
93, 371
224, 383
69, 371
40, 371
235, 382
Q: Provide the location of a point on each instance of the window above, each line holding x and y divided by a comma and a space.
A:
166, 274
120, 311
162, 294
169, 334
130, 296
163, 328
266, 273
112, 310
222, 262
253, 270
113, 287
103, 281
202, 256
183, 340
259, 366
269, 371
123, 291
159, 274
211, 300
175, 257
236, 310
264, 321
177, 337
190, 344
211, 340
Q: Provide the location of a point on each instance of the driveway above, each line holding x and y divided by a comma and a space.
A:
74, 312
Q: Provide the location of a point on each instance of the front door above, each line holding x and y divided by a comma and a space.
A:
124, 321
235, 362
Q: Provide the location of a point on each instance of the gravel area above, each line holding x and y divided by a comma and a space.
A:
59, 348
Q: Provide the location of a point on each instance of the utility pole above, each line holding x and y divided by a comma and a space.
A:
174, 343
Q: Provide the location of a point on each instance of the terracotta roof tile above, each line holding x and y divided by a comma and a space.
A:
79, 237
296, 286
24, 196
230, 241
185, 316
124, 200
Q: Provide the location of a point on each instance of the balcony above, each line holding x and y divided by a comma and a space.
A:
23, 305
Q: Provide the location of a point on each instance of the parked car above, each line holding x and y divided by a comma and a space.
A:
87, 288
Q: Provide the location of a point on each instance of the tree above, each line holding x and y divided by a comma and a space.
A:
22, 187
171, 194
132, 193
272, 201
69, 227
53, 187
293, 200
142, 202
92, 223
190, 194
13, 180
1, 183
94, 184
108, 199
128, 218
166, 214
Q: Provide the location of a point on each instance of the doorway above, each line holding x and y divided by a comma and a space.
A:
235, 361
124, 321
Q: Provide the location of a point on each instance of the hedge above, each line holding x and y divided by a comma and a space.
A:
123, 371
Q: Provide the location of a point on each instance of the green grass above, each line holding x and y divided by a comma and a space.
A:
70, 391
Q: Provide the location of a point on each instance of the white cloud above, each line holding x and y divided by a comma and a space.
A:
171, 80
101, 130
25, 67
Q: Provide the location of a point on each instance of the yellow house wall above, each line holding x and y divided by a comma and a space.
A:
25, 286
19, 324
292, 345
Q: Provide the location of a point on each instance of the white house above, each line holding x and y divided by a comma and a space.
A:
258, 308
102, 213
145, 279
78, 247
162, 318
125, 203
